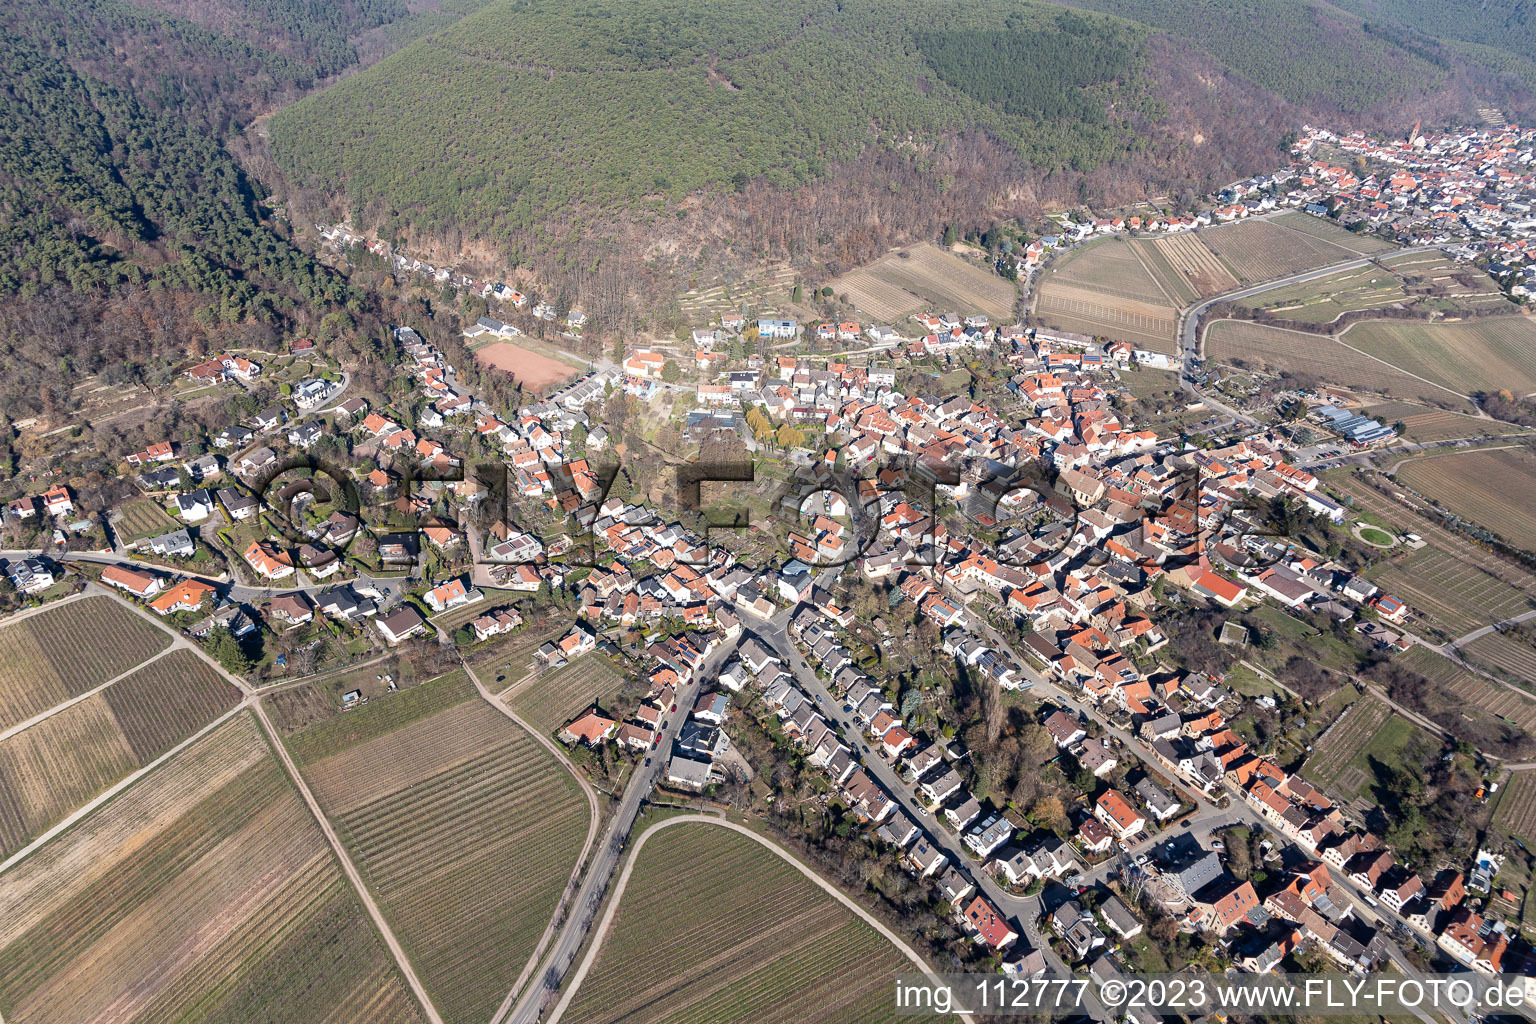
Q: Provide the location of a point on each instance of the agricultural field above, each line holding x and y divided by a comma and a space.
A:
1404, 520
1481, 355
702, 306
1342, 744
494, 598
205, 891
748, 936
47, 658
926, 276
1516, 813
1473, 691
1507, 654
465, 829
549, 700
56, 765
1421, 423
142, 518
1495, 488
1105, 288
1327, 231
504, 660
1416, 280
1186, 268
1262, 250
383, 712
1455, 596
1277, 350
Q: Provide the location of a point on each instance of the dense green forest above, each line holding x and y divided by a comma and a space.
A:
131, 235
1004, 68
531, 106
1292, 48
1499, 34
529, 115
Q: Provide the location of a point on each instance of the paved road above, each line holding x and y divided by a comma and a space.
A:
1026, 909
593, 822
1189, 330
389, 586
611, 848
832, 890
1239, 810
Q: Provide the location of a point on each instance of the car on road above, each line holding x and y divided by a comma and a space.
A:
647, 762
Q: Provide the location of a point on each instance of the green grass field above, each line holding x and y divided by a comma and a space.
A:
747, 939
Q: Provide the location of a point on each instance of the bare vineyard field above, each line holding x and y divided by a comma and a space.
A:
1305, 223
49, 769
1196, 271
1455, 596
1344, 741
465, 830
381, 714
1495, 489
1086, 311
926, 276
760, 295
1506, 655
205, 891
1263, 250
1425, 424
1473, 690
141, 518
1254, 346
548, 701
504, 660
55, 766
1113, 266
1483, 355
1172, 282
48, 658
1516, 813
748, 938
1440, 539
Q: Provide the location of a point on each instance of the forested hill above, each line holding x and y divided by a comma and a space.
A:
528, 107
119, 189
535, 119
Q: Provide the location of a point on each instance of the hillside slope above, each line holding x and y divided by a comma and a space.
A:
132, 235
534, 120
529, 106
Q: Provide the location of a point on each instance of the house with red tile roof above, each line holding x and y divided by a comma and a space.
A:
989, 924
